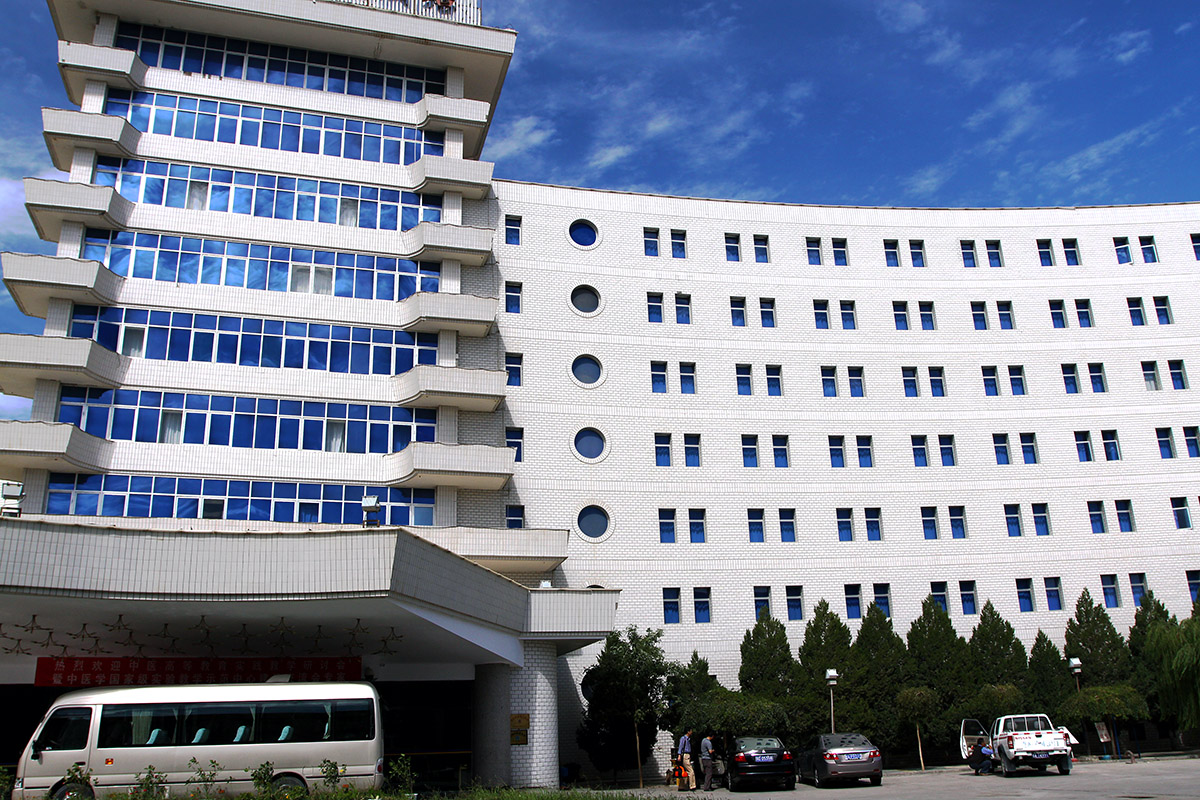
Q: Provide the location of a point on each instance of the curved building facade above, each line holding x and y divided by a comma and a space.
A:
314, 385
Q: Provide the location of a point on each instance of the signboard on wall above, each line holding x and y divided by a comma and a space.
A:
79, 672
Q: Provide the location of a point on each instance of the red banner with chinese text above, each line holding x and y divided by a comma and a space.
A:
77, 672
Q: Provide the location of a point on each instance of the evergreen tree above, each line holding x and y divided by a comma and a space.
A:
1048, 680
686, 683
624, 692
874, 673
826, 644
768, 669
1145, 666
1092, 639
997, 655
940, 659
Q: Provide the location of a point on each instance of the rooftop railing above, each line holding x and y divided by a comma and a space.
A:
464, 11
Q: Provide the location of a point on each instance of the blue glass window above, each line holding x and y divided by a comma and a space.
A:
966, 593
929, 521
754, 521
795, 602
701, 605
1025, 594
666, 525
1053, 594
696, 532
845, 524
670, 606
662, 449
853, 601
787, 524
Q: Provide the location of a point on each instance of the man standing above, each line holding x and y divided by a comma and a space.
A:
706, 761
685, 758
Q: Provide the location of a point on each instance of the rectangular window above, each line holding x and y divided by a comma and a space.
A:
848, 318
1058, 314
678, 244
821, 314
1071, 251
940, 595
829, 381
874, 524
1070, 374
1045, 252
1178, 374
691, 449
687, 378
1181, 513
1012, 519
841, 256
891, 252
1096, 516
749, 450
814, 251
696, 525
1025, 594
979, 315
787, 524
853, 601
1041, 519
170, 427
702, 604
1150, 376
650, 241
1083, 312
1000, 445
662, 449
1196, 247
1162, 309
1124, 515
654, 306
514, 517
1004, 313
883, 598
855, 376
1112, 593
683, 309
1016, 379
1137, 313
512, 364
991, 383
766, 311
1166, 442
666, 525
515, 438
774, 380
1149, 251
866, 457
946, 447
937, 382
1083, 446
512, 297
1191, 439
837, 451
1193, 575
762, 252
908, 376
733, 247
1029, 448
512, 230
795, 602
1099, 382
779, 448
1137, 587
916, 249
1112, 447
920, 449
968, 253
958, 522
742, 374
966, 592
845, 525
994, 257
900, 314
754, 522
927, 321
670, 606
762, 602
658, 377
929, 521
1121, 245
1053, 594
737, 310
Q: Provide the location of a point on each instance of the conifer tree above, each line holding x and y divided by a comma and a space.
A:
768, 669
1092, 639
826, 644
1048, 679
939, 658
1146, 666
997, 655
873, 675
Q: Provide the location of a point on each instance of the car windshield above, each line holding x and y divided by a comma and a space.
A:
834, 741
745, 743
1026, 724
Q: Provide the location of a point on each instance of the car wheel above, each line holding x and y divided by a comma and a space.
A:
789, 783
1007, 767
289, 786
817, 784
1064, 766
876, 780
72, 791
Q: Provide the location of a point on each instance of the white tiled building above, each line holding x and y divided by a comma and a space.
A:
285, 286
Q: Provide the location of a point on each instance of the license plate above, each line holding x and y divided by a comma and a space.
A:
1041, 755
852, 757
764, 758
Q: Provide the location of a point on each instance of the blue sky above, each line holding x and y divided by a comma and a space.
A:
857, 102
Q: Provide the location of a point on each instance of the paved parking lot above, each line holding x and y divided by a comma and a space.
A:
1145, 780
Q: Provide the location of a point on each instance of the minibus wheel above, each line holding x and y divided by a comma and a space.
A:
290, 786
71, 791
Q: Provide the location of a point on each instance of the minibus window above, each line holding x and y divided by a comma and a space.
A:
67, 729
293, 721
353, 721
218, 723
137, 726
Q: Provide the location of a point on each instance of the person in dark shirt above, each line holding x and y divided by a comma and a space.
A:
980, 757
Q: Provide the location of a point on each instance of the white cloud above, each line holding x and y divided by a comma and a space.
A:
519, 137
795, 95
945, 45
929, 180
901, 16
609, 155
1128, 45
1076, 25
1184, 28
1007, 117
14, 407
1082, 166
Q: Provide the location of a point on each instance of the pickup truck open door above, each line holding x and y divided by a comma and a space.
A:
970, 731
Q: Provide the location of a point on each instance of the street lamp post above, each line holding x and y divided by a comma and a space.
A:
1077, 667
831, 678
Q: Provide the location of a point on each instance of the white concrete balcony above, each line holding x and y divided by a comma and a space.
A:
463, 466
503, 550
435, 174
54, 446
51, 203
437, 241
33, 279
571, 617
428, 386
25, 359
430, 312
80, 63
66, 130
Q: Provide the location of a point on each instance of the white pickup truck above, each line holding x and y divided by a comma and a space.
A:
1020, 740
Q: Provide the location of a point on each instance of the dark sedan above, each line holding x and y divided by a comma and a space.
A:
759, 758
841, 757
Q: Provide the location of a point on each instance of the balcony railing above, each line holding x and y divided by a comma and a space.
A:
464, 11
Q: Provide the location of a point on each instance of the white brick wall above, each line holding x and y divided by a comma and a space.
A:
534, 692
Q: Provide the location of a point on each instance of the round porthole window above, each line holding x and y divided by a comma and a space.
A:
585, 299
586, 369
593, 522
583, 233
589, 443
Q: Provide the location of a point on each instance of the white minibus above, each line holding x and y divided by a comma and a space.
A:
117, 733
